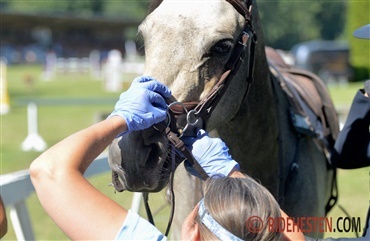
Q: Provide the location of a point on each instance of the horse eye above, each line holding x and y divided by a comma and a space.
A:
222, 47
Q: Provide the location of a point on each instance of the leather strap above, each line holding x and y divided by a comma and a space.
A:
180, 146
241, 8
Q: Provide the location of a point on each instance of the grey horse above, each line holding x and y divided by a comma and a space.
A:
187, 44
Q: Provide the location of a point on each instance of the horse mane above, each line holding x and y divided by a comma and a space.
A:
153, 5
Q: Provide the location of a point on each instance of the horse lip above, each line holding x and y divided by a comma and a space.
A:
150, 169
157, 182
130, 184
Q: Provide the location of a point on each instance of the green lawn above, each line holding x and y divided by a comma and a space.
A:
58, 120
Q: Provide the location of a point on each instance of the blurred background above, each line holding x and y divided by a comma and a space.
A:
64, 64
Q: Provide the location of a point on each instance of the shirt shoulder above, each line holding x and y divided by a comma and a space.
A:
137, 228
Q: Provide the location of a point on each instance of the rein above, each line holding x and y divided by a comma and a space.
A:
196, 114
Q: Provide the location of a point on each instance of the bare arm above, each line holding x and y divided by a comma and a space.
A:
79, 209
235, 173
291, 236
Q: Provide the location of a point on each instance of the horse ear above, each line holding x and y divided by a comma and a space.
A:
248, 3
153, 5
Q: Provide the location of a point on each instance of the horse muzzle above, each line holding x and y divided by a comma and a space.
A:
138, 165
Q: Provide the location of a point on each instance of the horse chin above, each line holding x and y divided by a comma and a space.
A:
146, 180
141, 168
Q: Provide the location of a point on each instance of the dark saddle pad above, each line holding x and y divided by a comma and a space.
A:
312, 109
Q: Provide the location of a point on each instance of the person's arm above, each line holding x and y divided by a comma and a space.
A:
291, 236
352, 147
80, 210
77, 207
3, 219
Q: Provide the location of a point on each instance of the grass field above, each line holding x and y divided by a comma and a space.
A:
69, 103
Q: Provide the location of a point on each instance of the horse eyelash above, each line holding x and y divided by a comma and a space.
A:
140, 41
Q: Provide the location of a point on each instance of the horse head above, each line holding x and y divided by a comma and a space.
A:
187, 46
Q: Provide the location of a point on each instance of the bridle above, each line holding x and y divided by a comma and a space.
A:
201, 111
196, 114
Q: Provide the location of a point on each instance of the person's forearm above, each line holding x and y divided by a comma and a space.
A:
57, 176
80, 149
236, 173
290, 236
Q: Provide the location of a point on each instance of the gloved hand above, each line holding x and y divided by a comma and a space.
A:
211, 153
143, 104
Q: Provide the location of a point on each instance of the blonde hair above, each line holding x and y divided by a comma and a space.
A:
232, 202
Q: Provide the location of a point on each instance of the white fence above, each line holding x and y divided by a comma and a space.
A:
16, 187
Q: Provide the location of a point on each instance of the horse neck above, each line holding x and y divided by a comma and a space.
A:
253, 132
259, 107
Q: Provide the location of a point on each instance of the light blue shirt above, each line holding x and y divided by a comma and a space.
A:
136, 228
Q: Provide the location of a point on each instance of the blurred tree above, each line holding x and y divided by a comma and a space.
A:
3, 5
97, 7
135, 9
287, 23
331, 17
104, 8
358, 15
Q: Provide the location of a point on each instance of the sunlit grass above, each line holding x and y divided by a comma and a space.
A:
343, 95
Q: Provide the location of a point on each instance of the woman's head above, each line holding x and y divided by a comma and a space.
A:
238, 205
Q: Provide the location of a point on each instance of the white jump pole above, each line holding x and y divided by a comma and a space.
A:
33, 140
136, 201
4, 96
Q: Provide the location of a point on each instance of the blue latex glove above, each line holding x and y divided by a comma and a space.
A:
143, 104
211, 153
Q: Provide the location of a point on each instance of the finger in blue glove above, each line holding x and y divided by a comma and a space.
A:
211, 153
143, 104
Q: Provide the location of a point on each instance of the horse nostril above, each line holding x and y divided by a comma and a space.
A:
154, 152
